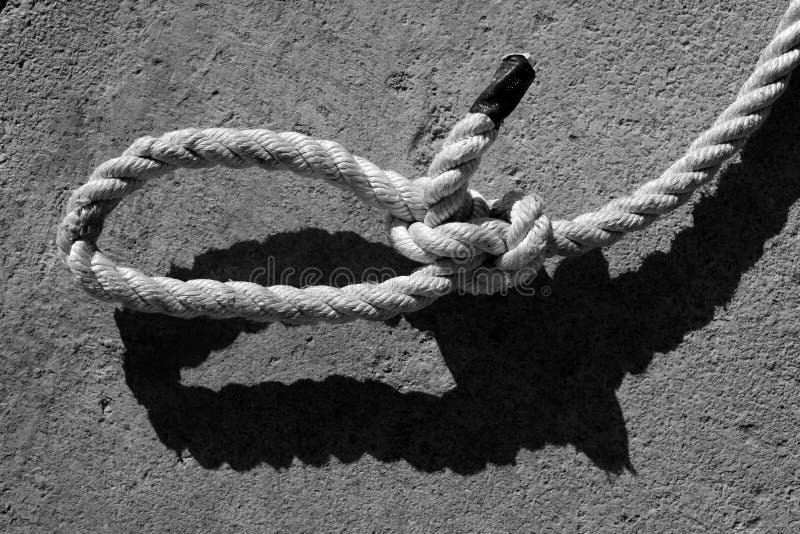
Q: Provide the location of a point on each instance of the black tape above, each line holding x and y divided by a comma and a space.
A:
508, 87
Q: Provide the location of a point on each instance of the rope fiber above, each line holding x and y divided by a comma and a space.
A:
466, 243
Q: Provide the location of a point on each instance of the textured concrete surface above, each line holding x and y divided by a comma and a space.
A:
655, 389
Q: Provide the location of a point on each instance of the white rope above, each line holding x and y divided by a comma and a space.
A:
469, 244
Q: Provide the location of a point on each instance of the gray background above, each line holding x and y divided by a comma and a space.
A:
655, 389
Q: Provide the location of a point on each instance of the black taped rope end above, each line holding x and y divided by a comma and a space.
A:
508, 86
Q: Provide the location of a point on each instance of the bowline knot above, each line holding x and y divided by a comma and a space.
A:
502, 244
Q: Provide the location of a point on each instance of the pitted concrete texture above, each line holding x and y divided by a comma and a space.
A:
652, 387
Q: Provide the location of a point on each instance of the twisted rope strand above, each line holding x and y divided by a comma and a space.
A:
468, 244
703, 159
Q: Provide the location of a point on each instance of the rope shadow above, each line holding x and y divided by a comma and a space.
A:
530, 371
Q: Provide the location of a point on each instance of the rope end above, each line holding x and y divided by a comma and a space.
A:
523, 54
512, 79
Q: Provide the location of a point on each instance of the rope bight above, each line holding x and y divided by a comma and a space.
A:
467, 243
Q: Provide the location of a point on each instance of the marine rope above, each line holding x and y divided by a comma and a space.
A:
467, 243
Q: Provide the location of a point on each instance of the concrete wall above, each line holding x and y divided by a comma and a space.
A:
655, 389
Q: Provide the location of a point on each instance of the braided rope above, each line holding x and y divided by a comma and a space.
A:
468, 244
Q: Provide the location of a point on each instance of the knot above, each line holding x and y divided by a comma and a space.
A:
506, 239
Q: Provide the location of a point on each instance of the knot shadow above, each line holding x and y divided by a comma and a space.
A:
529, 371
